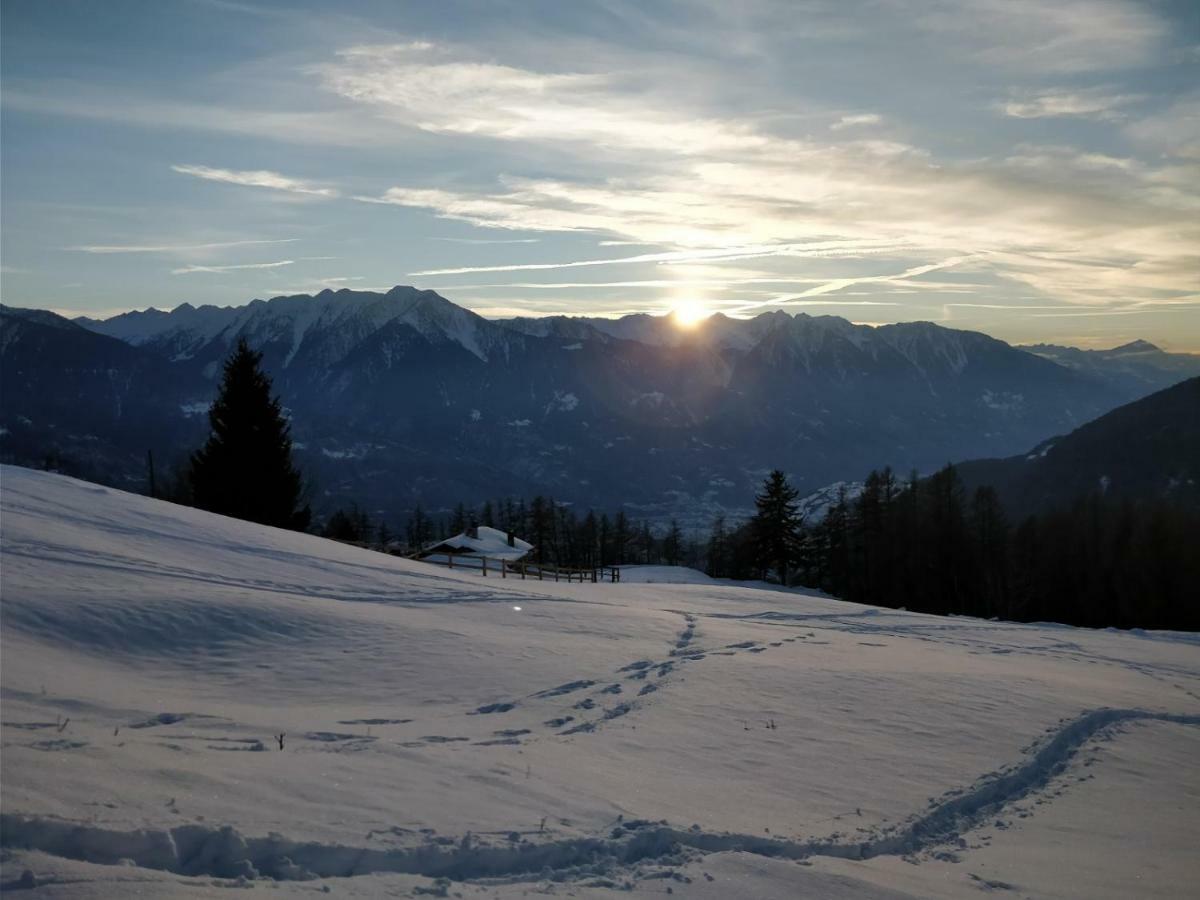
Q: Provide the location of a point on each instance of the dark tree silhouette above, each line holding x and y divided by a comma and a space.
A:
776, 526
672, 547
717, 554
1097, 562
419, 531
348, 525
245, 468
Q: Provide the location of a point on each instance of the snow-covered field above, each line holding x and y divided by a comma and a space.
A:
516, 737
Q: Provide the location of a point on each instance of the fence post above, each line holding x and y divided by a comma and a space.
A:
450, 557
503, 568
485, 567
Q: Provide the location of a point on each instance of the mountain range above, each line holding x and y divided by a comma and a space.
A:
1148, 449
403, 397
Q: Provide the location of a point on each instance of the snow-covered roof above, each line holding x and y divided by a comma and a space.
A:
489, 542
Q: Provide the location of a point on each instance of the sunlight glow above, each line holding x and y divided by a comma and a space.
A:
689, 312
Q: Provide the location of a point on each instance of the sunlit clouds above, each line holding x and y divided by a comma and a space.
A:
997, 164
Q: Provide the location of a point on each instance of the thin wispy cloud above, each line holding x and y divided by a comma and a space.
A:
454, 240
723, 254
839, 284
190, 270
1033, 36
172, 248
256, 178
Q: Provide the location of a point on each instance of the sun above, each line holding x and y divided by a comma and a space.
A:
690, 312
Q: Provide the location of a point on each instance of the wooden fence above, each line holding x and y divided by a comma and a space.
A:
506, 569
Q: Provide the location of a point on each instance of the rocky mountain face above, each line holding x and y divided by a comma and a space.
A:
403, 397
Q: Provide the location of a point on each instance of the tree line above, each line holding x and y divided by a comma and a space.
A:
560, 535
925, 545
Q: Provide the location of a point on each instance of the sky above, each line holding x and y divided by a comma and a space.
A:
1022, 168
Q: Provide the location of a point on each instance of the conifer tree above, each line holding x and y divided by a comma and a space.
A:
459, 523
589, 539
621, 537
646, 542
672, 545
419, 531
541, 520
776, 525
245, 468
384, 536
717, 552
604, 540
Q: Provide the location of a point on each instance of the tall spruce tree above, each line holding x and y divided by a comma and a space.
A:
245, 468
776, 525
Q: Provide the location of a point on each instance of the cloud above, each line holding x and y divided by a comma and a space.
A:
256, 178
265, 119
670, 145
424, 87
856, 120
189, 270
1066, 36
838, 284
824, 248
1114, 228
171, 248
1174, 131
1059, 104
452, 240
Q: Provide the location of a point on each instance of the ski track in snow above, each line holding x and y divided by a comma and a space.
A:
223, 852
653, 674
941, 630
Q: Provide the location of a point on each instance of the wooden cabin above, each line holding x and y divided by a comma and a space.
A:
476, 544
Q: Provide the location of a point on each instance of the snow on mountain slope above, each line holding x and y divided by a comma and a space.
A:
339, 319
521, 735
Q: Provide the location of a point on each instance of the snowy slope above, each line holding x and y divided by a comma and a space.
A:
526, 736
663, 575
